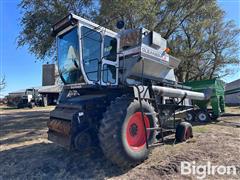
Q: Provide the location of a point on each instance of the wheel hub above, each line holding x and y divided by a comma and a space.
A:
133, 129
202, 117
189, 117
135, 132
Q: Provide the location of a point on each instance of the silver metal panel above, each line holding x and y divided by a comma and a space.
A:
179, 93
157, 41
144, 61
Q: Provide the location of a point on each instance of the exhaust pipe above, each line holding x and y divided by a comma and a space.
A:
180, 93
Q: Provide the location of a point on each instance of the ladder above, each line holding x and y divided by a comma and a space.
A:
160, 128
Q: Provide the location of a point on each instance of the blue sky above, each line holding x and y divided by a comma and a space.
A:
20, 67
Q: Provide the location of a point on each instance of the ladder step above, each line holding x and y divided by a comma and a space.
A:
159, 128
148, 113
156, 128
169, 130
155, 144
149, 99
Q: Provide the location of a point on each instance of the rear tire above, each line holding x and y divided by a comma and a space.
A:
31, 105
202, 116
121, 133
183, 132
190, 116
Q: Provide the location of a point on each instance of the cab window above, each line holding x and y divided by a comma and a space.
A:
91, 52
68, 57
110, 48
109, 74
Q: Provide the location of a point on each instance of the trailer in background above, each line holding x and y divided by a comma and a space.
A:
208, 109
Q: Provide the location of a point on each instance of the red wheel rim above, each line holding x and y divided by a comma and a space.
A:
135, 132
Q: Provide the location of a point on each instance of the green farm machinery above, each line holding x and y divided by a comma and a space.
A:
211, 108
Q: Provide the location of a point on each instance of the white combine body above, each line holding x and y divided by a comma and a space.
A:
119, 91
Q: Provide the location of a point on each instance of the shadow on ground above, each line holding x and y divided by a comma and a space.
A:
43, 160
26, 154
22, 126
24, 120
50, 161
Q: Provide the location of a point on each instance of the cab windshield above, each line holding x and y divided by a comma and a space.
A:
68, 57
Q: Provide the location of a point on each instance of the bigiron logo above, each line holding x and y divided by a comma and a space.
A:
202, 170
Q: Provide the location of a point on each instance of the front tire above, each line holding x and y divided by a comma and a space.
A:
122, 135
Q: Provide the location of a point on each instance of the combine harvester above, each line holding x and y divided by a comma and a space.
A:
120, 91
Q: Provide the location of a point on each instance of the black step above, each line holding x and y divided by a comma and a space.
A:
155, 144
163, 130
156, 128
149, 99
147, 113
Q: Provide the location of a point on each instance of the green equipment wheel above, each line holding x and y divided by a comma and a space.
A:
190, 116
202, 116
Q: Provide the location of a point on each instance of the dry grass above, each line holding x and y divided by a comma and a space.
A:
233, 110
25, 153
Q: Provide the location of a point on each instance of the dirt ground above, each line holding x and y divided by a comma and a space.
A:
25, 152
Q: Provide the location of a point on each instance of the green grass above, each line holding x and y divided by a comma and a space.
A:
200, 129
5, 108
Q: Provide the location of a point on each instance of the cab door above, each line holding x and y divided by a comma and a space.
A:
110, 61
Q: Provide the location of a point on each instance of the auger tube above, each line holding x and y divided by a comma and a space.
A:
179, 93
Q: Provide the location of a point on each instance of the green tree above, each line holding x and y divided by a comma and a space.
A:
2, 83
206, 44
135, 13
195, 30
38, 18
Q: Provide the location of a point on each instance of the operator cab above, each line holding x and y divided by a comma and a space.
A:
91, 54
86, 52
